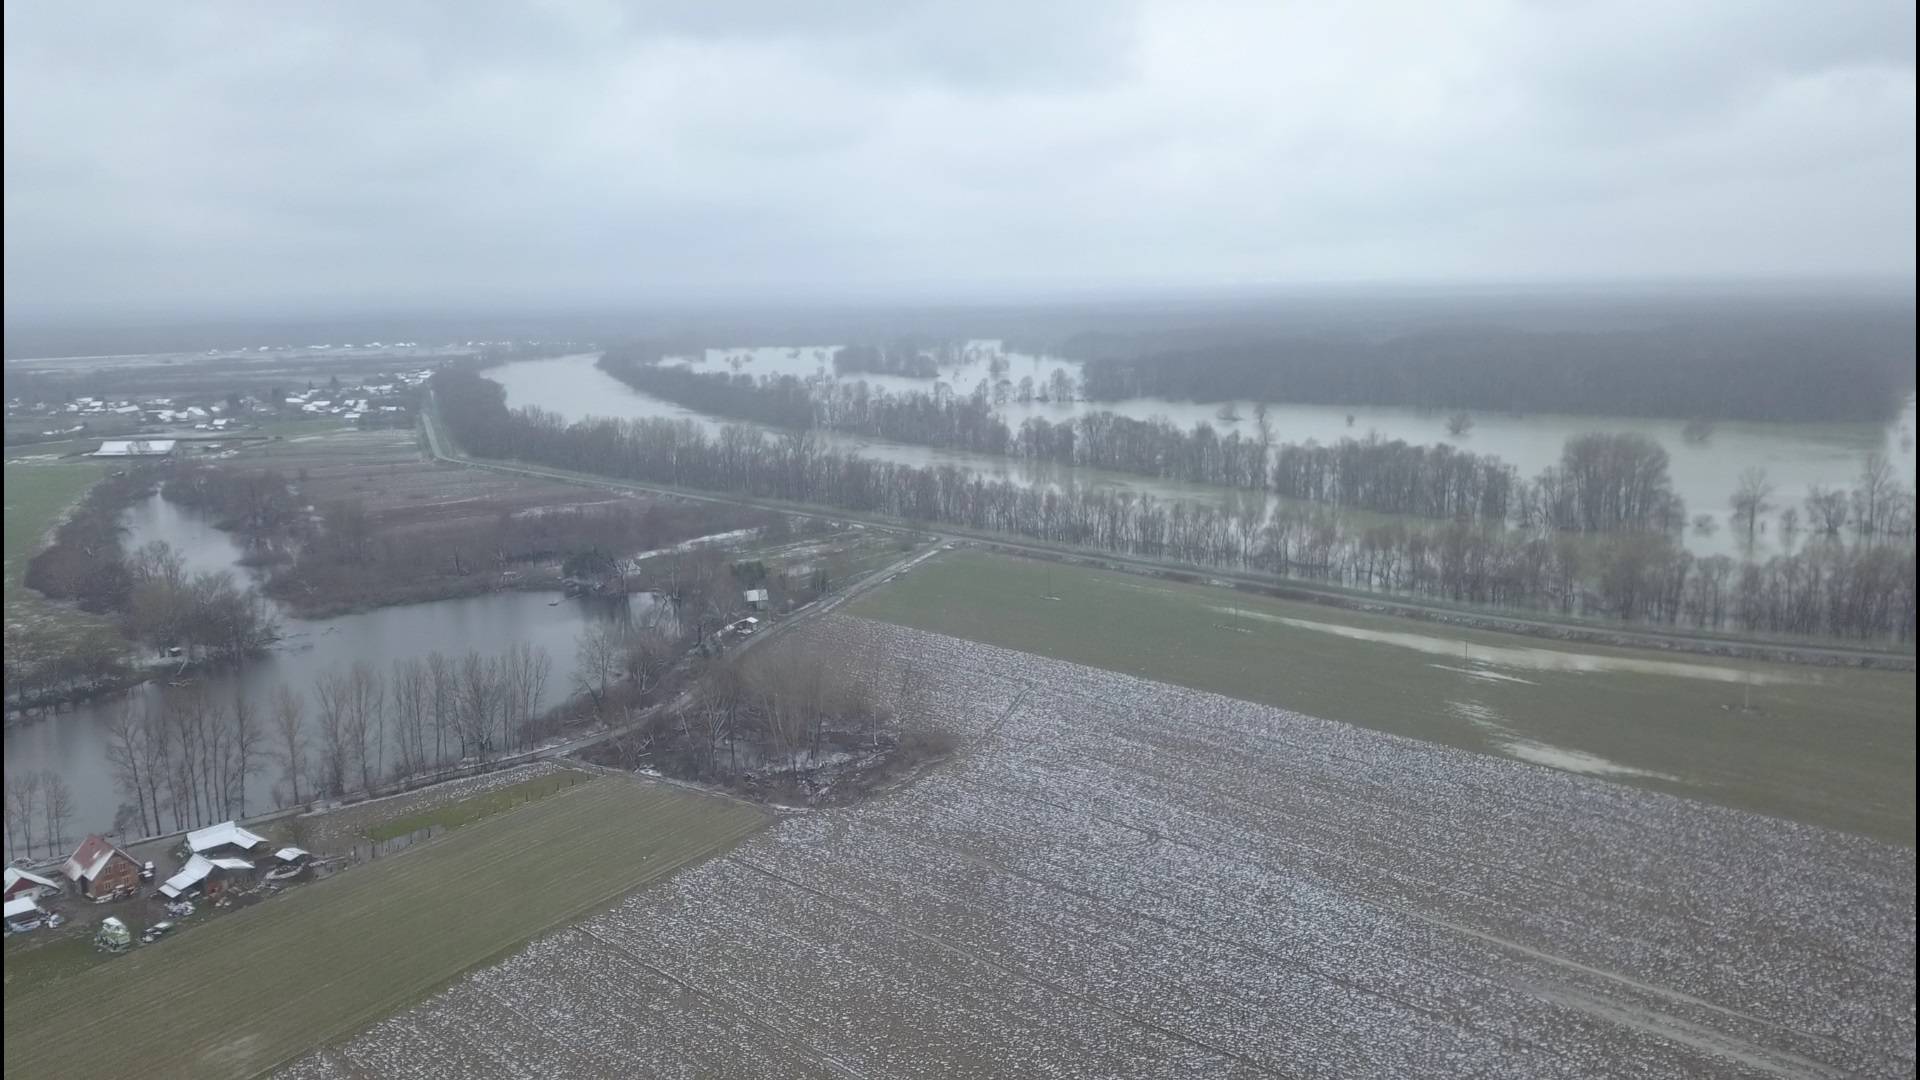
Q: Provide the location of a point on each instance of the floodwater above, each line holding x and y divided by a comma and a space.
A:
74, 743
1796, 456
1533, 659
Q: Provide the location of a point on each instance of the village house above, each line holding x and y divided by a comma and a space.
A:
25, 884
226, 838
99, 869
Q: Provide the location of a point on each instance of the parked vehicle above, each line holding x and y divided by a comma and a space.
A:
146, 871
156, 932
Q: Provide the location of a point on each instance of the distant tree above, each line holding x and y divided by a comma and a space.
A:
1697, 431
1826, 510
1750, 498
1459, 424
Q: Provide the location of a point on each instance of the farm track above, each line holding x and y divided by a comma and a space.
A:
1119, 877
269, 983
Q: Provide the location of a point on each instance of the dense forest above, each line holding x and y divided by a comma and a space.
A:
1865, 589
1858, 367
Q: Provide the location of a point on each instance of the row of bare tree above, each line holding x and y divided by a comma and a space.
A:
182, 759
1608, 482
39, 804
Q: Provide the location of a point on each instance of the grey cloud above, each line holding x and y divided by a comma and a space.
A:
224, 155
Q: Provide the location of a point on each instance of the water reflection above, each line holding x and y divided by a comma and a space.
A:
1796, 456
75, 743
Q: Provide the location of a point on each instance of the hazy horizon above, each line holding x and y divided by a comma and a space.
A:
228, 160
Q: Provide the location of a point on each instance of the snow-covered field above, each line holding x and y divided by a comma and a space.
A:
1124, 878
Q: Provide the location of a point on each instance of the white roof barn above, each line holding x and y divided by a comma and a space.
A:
197, 870
26, 883
135, 448
225, 834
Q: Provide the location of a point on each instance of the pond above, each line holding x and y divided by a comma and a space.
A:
1796, 456
74, 743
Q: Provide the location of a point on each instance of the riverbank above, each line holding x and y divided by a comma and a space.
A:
1809, 651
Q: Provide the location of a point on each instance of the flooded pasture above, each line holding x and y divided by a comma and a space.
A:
1704, 473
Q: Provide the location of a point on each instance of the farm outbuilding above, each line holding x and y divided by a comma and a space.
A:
204, 875
26, 883
99, 869
226, 838
23, 914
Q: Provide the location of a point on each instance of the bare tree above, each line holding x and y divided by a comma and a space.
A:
126, 753
442, 693
23, 798
248, 745
1459, 424
367, 721
1826, 510
330, 692
597, 657
411, 705
1750, 498
647, 655
290, 738
479, 697
59, 808
1873, 498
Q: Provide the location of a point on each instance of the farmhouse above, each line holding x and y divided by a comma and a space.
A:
100, 869
226, 838
134, 448
29, 885
210, 876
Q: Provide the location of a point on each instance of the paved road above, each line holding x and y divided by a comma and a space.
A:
441, 447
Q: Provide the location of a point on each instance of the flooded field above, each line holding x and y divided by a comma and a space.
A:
1119, 876
1829, 746
1796, 456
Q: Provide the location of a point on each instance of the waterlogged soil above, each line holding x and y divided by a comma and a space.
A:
1829, 746
1123, 877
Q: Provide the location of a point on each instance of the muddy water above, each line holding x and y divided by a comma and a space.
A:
1796, 456
74, 744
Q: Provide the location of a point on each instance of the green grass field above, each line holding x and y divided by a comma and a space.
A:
265, 984
38, 493
1830, 746
466, 811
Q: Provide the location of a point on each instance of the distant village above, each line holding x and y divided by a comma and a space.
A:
372, 404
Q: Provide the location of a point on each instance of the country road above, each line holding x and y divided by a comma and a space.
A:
441, 448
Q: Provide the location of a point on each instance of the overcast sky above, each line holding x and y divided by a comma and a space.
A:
226, 157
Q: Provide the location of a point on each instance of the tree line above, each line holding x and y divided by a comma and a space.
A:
1603, 483
1625, 574
182, 757
1856, 366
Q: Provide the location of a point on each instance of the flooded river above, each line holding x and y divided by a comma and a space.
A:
1796, 456
74, 743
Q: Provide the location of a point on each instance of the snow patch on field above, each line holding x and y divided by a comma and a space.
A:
1536, 659
1120, 877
